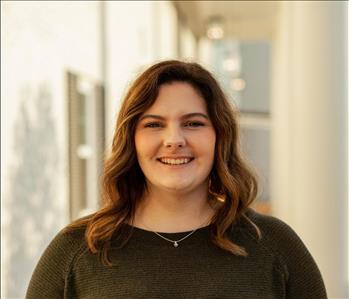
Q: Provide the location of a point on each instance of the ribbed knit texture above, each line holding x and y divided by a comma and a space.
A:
278, 266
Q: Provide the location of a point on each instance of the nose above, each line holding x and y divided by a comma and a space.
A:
173, 138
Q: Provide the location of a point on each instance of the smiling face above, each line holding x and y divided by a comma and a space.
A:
175, 140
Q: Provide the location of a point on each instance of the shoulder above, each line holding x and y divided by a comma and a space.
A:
272, 227
276, 235
63, 249
70, 241
53, 269
296, 262
67, 243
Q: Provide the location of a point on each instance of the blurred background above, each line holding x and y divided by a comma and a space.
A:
66, 65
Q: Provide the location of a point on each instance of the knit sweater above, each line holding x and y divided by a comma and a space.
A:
278, 265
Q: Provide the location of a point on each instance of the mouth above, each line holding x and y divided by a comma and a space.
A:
175, 161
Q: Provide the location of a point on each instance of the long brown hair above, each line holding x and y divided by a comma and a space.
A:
232, 183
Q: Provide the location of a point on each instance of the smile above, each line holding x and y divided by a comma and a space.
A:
180, 161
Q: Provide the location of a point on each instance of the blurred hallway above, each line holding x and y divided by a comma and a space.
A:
66, 66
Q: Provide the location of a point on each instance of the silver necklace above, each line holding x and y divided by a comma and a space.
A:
175, 242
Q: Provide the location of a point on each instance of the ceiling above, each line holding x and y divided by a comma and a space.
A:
242, 19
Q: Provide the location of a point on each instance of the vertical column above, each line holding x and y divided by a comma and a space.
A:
311, 116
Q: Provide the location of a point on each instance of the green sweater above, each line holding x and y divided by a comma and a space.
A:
278, 266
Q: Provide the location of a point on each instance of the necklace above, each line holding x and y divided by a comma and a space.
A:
175, 242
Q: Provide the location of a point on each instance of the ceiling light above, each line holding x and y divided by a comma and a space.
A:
215, 28
238, 84
231, 64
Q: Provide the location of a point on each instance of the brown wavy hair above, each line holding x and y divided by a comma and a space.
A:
232, 183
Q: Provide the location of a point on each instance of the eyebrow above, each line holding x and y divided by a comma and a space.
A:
185, 116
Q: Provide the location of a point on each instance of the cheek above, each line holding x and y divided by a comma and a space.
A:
205, 146
209, 143
145, 145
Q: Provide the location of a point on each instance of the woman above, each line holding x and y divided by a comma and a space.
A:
175, 220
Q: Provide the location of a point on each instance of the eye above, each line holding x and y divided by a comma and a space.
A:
152, 125
194, 124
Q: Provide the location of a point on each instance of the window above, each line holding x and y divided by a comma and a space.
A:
86, 134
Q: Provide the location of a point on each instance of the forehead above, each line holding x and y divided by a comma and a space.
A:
178, 97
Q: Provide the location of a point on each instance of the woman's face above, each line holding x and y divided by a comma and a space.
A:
175, 140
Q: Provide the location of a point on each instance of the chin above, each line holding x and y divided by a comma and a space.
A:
177, 187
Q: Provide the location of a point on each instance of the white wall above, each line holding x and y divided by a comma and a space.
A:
310, 131
40, 41
188, 44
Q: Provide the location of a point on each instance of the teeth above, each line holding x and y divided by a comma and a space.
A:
175, 161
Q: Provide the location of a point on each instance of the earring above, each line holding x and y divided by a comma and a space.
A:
218, 197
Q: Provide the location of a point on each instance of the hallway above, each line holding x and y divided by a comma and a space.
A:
66, 67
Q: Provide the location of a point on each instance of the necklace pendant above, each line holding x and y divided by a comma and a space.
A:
175, 244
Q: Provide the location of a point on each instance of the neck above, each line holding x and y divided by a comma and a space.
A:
165, 211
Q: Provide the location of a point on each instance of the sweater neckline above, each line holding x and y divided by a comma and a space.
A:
145, 231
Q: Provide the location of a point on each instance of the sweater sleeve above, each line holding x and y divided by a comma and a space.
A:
50, 276
303, 278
